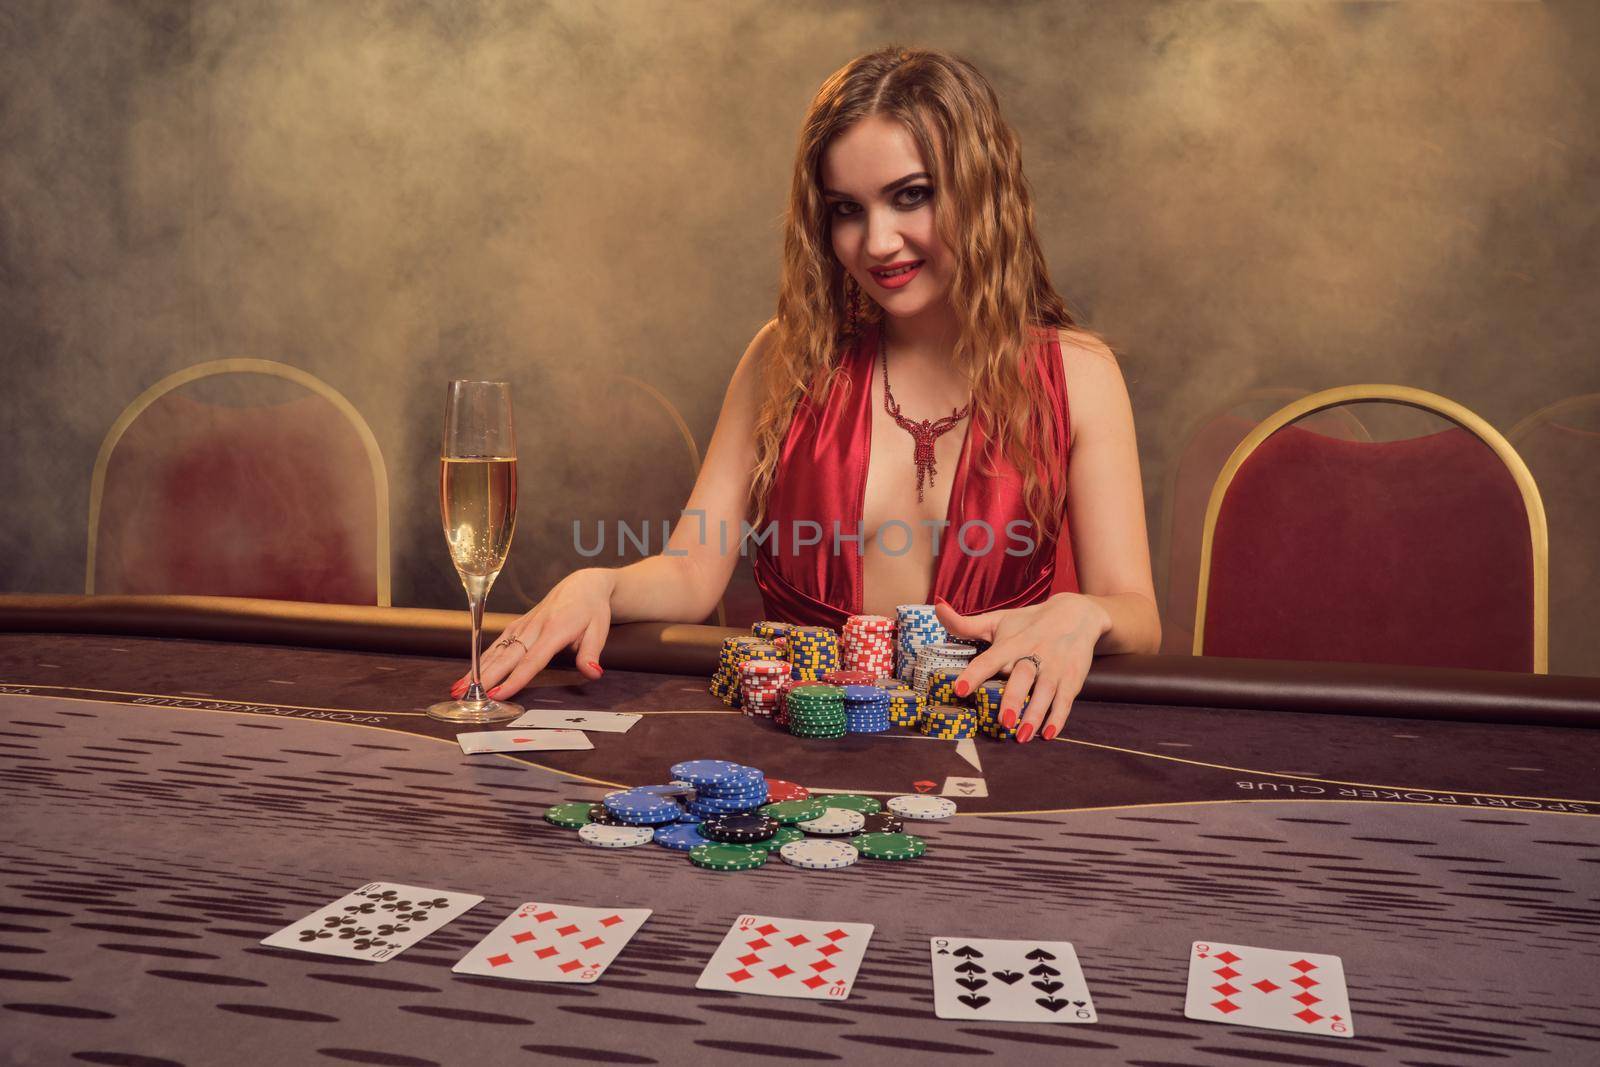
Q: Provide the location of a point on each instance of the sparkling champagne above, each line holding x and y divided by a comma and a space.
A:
478, 502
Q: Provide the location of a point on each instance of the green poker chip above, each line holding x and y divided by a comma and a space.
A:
784, 835
570, 816
728, 857
890, 846
790, 812
852, 802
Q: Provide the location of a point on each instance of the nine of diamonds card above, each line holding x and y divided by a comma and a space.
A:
1302, 992
554, 943
776, 957
376, 922
1012, 981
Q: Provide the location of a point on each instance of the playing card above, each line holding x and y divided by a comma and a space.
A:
376, 922
1013, 981
523, 741
610, 722
554, 943
774, 957
1298, 991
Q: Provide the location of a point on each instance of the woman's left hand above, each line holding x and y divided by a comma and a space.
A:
1061, 632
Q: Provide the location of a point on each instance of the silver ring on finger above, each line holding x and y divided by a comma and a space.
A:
508, 641
1029, 658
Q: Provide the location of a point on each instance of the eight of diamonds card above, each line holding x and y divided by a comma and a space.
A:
788, 958
1014, 981
376, 922
1299, 991
554, 943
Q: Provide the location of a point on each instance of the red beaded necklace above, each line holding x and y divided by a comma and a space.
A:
924, 433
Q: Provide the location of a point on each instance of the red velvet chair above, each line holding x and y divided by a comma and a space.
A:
215, 483
1428, 551
1561, 445
1205, 451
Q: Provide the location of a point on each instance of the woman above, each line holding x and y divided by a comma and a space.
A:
902, 425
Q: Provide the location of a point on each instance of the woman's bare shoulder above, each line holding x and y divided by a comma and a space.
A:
1095, 389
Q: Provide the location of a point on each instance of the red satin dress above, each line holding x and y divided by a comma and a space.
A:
822, 477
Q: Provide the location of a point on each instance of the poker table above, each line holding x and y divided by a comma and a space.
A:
185, 776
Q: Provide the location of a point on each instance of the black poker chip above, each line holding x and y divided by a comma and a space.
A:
599, 814
744, 828
883, 822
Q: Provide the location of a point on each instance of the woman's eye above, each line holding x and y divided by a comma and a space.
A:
844, 209
922, 195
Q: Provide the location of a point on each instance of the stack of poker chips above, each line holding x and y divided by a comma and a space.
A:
843, 678
721, 787
735, 652
775, 632
780, 713
940, 655
948, 722
905, 705
987, 701
813, 652
916, 625
866, 709
650, 805
942, 687
758, 686
817, 711
867, 644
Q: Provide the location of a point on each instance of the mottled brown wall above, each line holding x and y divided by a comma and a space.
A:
394, 192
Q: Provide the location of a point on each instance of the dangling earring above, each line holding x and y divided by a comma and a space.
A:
852, 306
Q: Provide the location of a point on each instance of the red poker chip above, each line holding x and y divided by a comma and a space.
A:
779, 790
848, 678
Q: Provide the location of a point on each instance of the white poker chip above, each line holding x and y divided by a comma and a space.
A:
922, 807
833, 821
819, 855
602, 836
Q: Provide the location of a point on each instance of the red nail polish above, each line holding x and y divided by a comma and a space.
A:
595, 666
495, 693
1049, 733
457, 689
941, 600
1025, 732
1008, 717
962, 688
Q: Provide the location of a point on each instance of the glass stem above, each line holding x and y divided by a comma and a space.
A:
475, 690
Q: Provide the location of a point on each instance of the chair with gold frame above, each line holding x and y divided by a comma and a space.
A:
278, 491
1426, 551
1561, 445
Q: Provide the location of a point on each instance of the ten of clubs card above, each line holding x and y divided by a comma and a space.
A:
775, 957
376, 922
554, 943
1298, 991
1011, 981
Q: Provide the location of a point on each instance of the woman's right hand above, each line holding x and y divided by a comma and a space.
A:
575, 614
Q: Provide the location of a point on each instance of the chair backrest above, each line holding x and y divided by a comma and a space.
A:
1561, 445
1206, 446
279, 491
1427, 551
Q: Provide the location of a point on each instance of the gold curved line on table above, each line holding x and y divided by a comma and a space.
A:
1274, 800
183, 696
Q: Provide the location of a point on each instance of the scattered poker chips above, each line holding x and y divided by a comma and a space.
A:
915, 807
793, 811
569, 816
813, 652
916, 626
720, 857
743, 828
834, 822
948, 722
680, 836
780, 837
615, 836
815, 855
890, 846
599, 814
852, 802
867, 644
778, 789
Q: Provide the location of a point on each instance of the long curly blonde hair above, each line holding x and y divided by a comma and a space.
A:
1001, 289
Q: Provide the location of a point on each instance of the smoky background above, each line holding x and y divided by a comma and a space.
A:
585, 199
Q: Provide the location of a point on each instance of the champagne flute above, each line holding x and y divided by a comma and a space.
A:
478, 503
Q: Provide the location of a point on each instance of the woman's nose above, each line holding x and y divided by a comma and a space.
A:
883, 236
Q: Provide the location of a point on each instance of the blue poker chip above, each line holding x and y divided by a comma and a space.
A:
723, 807
681, 837
704, 772
638, 807
689, 817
